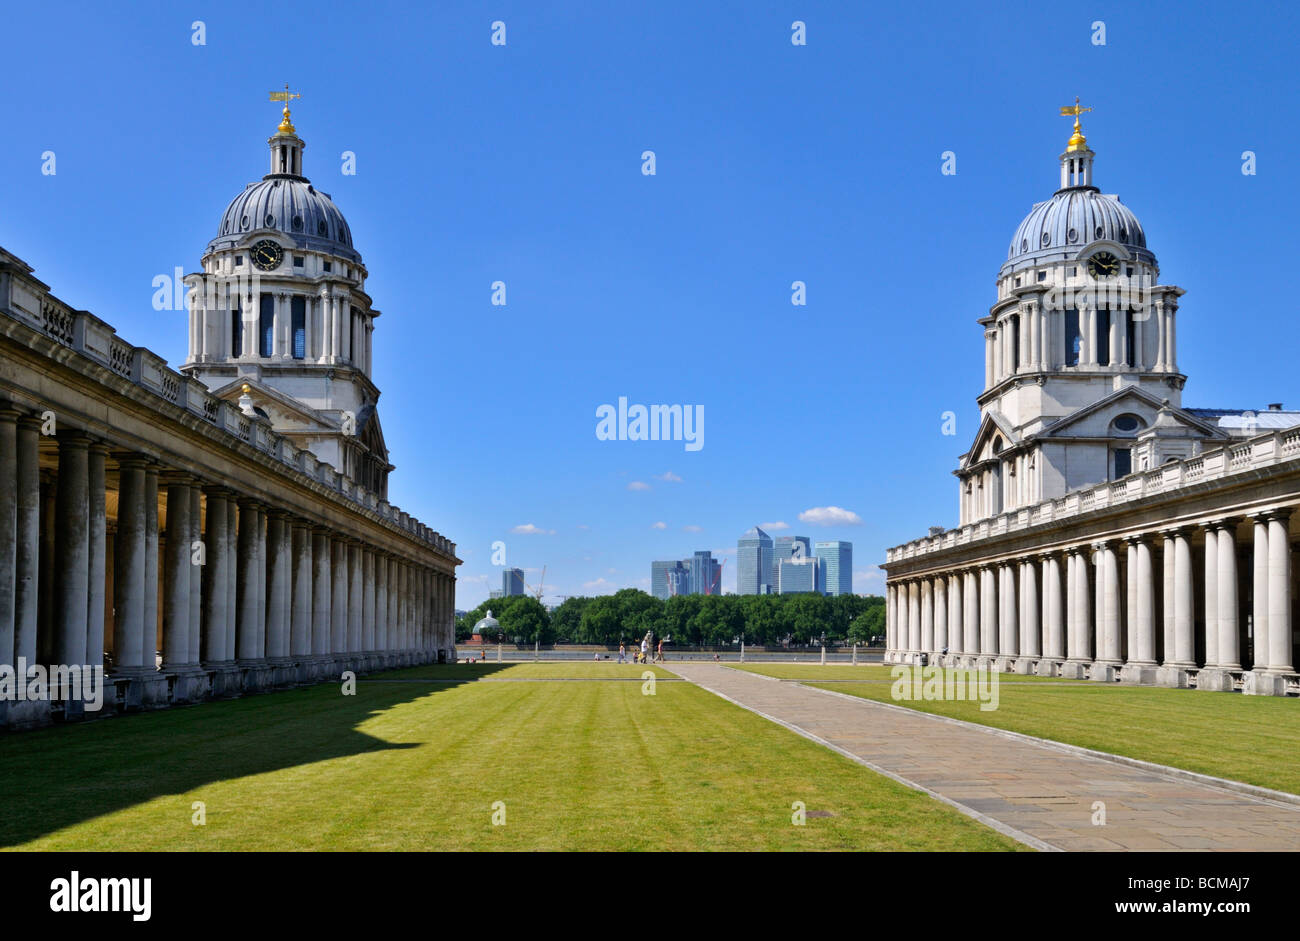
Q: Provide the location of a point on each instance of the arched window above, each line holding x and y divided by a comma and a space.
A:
236, 329
267, 325
299, 309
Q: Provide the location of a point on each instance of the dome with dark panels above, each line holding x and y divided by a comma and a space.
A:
1073, 218
290, 205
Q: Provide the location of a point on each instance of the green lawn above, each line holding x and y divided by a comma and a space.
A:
1255, 739
419, 765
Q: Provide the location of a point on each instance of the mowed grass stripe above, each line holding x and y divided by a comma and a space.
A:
580, 766
1254, 739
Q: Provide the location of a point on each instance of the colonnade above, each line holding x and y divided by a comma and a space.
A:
183, 588
1209, 605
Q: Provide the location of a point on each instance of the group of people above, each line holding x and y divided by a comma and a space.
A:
642, 655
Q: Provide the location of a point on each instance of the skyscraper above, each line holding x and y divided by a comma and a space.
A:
788, 547
705, 574
754, 563
512, 582
669, 578
836, 567
798, 576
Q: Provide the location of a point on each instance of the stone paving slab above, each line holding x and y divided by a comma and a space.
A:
1031, 790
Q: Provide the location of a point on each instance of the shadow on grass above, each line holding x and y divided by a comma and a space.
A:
58, 777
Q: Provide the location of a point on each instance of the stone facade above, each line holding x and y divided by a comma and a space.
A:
156, 529
1107, 532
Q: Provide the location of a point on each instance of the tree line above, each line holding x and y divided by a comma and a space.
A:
692, 620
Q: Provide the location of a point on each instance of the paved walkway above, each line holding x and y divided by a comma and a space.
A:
1034, 791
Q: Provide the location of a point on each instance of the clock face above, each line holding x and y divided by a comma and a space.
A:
1103, 265
267, 255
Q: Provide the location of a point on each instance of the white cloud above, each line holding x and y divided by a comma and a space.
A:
668, 477
776, 525
528, 529
659, 525
600, 586
638, 485
692, 529
583, 526
830, 516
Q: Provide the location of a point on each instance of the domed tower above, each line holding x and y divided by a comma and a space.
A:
280, 308
1079, 350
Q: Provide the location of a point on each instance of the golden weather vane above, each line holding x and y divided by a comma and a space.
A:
285, 96
1077, 140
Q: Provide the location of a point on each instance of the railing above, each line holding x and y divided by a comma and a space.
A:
1266, 450
26, 302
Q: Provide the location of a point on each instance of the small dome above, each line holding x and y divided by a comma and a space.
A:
289, 205
487, 625
1071, 219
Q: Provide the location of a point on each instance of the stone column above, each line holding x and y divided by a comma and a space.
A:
279, 581
927, 617
368, 606
8, 535
1279, 592
72, 555
339, 600
27, 535
1211, 568
215, 575
1168, 623
381, 607
157, 688
176, 575
1108, 613
913, 620
128, 570
247, 579
1229, 635
196, 586
1053, 616
301, 620
322, 598
261, 581
1030, 639
1141, 666
1180, 655
956, 613
1080, 652
940, 591
98, 574
232, 577
355, 600
988, 616
1259, 592
1008, 629
970, 623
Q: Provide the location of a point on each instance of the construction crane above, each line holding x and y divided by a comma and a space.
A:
717, 584
541, 585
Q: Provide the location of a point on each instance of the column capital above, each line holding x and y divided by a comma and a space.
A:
1227, 522
249, 503
170, 477
278, 514
216, 490
1136, 539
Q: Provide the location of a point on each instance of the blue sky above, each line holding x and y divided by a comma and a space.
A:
775, 163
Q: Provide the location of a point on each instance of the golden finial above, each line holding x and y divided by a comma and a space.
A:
1077, 140
286, 126
246, 388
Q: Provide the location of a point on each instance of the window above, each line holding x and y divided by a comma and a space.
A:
1103, 338
236, 330
299, 261
1073, 338
1123, 462
239, 261
1131, 347
1126, 425
1042, 276
267, 325
329, 266
1015, 342
299, 309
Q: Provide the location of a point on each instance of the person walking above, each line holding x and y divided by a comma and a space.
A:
622, 653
